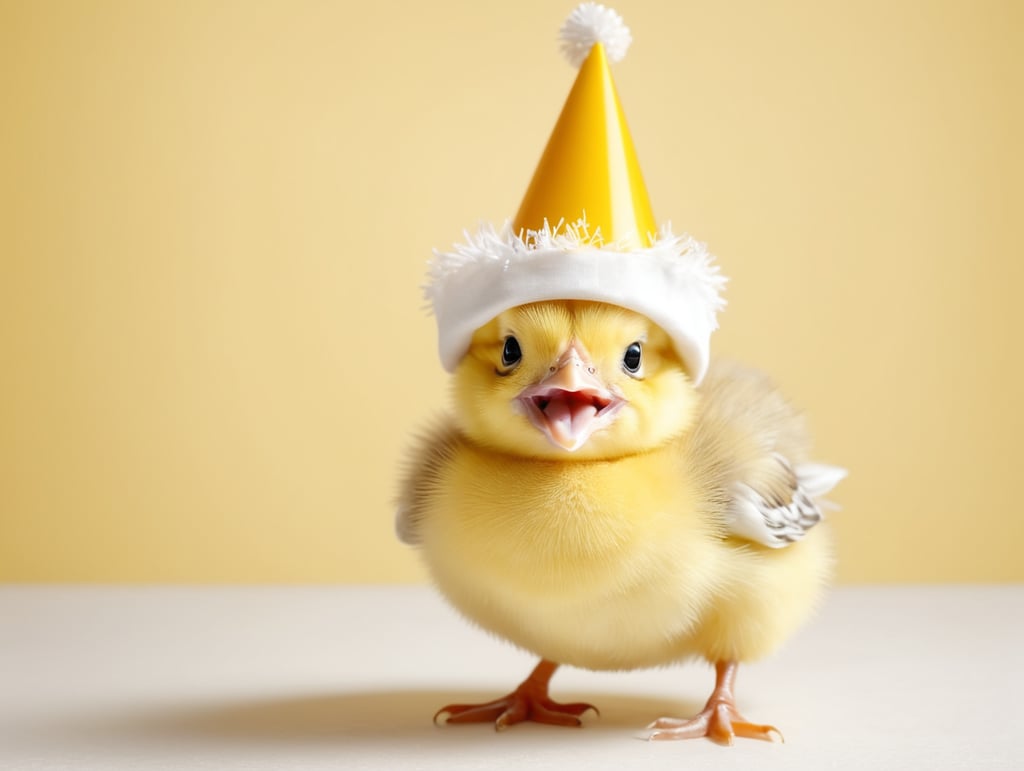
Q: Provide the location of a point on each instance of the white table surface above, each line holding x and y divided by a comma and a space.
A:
349, 677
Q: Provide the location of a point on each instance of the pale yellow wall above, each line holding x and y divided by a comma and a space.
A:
214, 218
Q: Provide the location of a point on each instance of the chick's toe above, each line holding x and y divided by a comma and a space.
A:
719, 720
530, 701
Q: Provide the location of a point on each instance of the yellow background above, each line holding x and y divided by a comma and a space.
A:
214, 218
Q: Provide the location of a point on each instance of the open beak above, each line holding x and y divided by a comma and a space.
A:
571, 403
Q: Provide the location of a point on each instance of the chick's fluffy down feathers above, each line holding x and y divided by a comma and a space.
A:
635, 561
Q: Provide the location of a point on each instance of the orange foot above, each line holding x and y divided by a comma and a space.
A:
530, 701
719, 719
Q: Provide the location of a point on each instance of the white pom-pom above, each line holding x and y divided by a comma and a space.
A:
593, 23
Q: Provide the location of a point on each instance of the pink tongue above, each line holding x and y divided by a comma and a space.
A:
567, 418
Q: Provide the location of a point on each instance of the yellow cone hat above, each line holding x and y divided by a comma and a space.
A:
589, 167
585, 230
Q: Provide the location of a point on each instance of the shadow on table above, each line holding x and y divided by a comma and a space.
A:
360, 717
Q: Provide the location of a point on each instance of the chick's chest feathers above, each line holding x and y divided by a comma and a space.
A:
597, 564
557, 523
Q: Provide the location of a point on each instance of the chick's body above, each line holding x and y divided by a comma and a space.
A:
626, 554
609, 565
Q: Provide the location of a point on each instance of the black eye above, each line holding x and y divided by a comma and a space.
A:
631, 359
512, 353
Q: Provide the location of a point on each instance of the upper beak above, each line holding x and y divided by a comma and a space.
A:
572, 402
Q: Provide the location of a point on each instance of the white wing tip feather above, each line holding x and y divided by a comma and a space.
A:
817, 479
747, 518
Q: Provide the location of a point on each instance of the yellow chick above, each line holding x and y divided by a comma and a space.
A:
600, 496
587, 502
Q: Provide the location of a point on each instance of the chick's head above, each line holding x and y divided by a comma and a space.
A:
572, 380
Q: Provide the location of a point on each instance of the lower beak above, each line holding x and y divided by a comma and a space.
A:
571, 403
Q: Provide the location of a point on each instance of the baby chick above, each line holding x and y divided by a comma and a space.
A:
588, 503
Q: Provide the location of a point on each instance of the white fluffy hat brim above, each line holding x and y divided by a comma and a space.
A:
673, 283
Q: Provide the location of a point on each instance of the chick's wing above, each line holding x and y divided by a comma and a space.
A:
752, 447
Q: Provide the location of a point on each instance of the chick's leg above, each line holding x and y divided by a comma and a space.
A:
530, 701
719, 719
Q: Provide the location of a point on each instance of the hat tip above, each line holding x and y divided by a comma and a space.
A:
590, 24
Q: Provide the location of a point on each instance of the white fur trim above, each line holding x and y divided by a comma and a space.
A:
589, 24
673, 282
